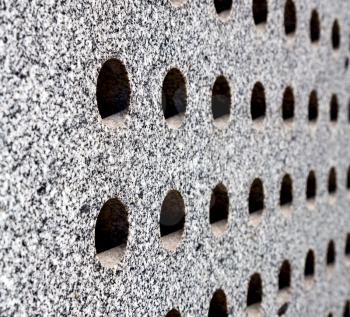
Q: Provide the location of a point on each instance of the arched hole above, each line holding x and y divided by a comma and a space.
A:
260, 11
258, 102
332, 181
334, 108
223, 8
330, 315
346, 312
336, 35
284, 278
255, 292
218, 305
290, 17
286, 193
173, 313
311, 186
113, 89
330, 260
221, 102
309, 270
219, 208
347, 246
313, 106
256, 199
111, 233
315, 28
288, 104
174, 98
172, 220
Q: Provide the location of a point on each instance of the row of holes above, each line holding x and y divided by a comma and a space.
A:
112, 226
260, 13
113, 98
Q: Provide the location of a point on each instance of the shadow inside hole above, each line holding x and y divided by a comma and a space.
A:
260, 11
334, 108
311, 186
219, 209
221, 101
174, 97
313, 106
309, 270
347, 246
332, 181
255, 293
256, 197
286, 193
223, 7
172, 219
113, 89
258, 102
288, 104
346, 312
284, 277
218, 305
315, 29
330, 260
336, 35
348, 179
290, 17
173, 313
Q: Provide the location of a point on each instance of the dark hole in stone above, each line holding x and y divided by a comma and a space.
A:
260, 11
332, 181
258, 103
286, 193
172, 215
315, 28
283, 309
223, 6
346, 312
174, 96
284, 276
173, 313
334, 108
348, 179
311, 186
309, 270
113, 88
218, 305
290, 17
255, 292
288, 104
331, 253
313, 106
221, 98
330, 315
256, 196
346, 63
349, 111
336, 35
347, 245
219, 204
112, 226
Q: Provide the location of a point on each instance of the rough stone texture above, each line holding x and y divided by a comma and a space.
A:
60, 163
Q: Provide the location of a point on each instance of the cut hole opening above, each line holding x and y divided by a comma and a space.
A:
174, 98
336, 35
348, 179
290, 18
173, 313
111, 233
113, 89
260, 11
221, 102
347, 246
288, 104
255, 292
223, 7
309, 270
256, 199
346, 312
219, 209
330, 259
286, 192
284, 277
332, 181
258, 102
334, 108
172, 220
349, 111
218, 305
311, 186
315, 29
313, 106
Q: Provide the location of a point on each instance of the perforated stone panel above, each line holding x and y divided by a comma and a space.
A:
60, 162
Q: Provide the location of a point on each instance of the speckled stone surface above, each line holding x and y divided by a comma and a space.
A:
59, 162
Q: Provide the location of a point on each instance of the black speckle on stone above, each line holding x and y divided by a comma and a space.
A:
85, 208
283, 309
42, 189
198, 247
